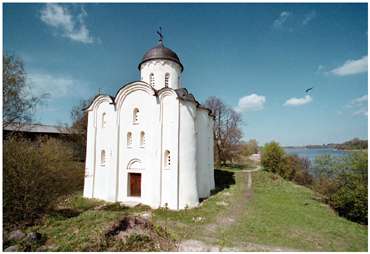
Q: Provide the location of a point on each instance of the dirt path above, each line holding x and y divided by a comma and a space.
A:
229, 217
236, 208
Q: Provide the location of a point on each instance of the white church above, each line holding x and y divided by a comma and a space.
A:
153, 142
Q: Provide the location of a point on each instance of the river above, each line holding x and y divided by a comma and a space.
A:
312, 153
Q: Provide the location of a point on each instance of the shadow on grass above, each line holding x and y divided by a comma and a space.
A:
223, 180
234, 166
64, 213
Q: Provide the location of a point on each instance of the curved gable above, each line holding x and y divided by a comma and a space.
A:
99, 99
166, 91
124, 91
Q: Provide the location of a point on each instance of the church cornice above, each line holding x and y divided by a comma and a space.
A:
131, 87
117, 100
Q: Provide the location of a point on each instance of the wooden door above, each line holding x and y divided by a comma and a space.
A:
135, 184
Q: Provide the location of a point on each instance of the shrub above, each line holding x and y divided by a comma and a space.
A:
273, 158
350, 199
297, 170
249, 148
343, 181
35, 174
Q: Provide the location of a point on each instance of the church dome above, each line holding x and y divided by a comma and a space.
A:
160, 52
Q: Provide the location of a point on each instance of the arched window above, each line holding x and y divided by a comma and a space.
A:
135, 116
102, 157
142, 139
103, 120
151, 79
129, 139
166, 79
167, 159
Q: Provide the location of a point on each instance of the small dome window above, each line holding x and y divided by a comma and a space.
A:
166, 79
129, 139
142, 139
151, 79
104, 120
167, 159
135, 116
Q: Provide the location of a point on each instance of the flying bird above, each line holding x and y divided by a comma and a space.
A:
309, 89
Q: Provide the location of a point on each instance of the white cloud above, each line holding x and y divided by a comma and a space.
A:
320, 69
279, 22
359, 105
308, 17
251, 102
61, 18
351, 67
55, 86
359, 101
362, 111
298, 101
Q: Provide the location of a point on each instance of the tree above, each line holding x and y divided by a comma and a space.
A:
251, 147
273, 158
18, 104
79, 128
227, 133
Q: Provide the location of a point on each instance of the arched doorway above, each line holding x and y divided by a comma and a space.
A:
134, 169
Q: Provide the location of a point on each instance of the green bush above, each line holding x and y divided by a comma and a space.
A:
273, 158
343, 182
297, 170
350, 199
35, 174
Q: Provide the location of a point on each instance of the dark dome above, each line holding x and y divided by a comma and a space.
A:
160, 52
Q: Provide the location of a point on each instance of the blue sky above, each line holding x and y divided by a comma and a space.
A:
258, 58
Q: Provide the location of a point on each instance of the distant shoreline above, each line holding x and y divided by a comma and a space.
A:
351, 145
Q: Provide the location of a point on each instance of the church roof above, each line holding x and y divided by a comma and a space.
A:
36, 128
182, 94
160, 52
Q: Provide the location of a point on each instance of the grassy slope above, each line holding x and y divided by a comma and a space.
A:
284, 214
183, 224
279, 213
84, 231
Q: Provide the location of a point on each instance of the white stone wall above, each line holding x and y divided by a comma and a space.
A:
159, 68
105, 172
90, 157
170, 143
169, 124
145, 157
203, 165
211, 154
98, 175
187, 156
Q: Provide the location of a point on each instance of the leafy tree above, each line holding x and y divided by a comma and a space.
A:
273, 158
227, 132
18, 104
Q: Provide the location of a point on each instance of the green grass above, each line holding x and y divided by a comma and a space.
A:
284, 214
278, 214
84, 231
183, 224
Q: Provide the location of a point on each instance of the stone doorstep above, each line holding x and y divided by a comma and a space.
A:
130, 203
